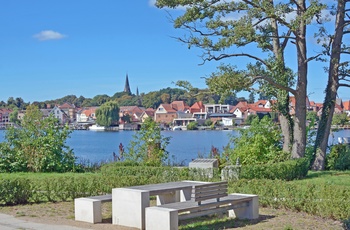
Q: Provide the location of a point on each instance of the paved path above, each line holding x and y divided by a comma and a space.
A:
8, 222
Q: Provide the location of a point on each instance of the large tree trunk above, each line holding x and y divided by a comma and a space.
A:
324, 126
283, 97
299, 132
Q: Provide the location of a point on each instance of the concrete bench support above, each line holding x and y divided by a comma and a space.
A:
249, 212
89, 209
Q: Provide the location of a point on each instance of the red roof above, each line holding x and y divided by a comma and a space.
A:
179, 105
346, 105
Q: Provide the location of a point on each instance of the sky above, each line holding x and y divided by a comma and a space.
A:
50, 49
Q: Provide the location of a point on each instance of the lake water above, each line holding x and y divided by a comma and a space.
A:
97, 146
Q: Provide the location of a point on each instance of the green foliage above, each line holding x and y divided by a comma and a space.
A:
312, 195
340, 119
287, 170
208, 122
16, 191
39, 146
148, 145
107, 114
250, 118
338, 158
258, 144
311, 116
193, 125
320, 199
14, 116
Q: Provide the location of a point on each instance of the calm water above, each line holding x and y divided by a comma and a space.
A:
184, 145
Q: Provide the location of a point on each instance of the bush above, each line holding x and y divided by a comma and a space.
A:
16, 191
338, 158
288, 170
192, 125
38, 146
259, 144
321, 199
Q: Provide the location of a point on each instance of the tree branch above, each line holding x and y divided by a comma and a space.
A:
273, 83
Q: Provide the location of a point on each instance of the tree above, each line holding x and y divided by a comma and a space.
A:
340, 119
148, 145
39, 146
165, 98
14, 116
251, 99
262, 25
107, 114
338, 75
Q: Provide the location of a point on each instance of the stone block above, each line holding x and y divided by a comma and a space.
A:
88, 210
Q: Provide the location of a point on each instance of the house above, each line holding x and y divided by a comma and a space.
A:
338, 108
87, 114
60, 115
68, 109
5, 117
346, 108
146, 114
133, 112
183, 118
217, 108
165, 113
197, 107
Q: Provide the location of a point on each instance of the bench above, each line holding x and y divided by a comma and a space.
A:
89, 209
206, 199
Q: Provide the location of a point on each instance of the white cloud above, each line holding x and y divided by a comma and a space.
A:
46, 35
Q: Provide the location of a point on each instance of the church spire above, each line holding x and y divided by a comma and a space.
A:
127, 86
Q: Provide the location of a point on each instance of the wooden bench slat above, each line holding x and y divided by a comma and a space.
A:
210, 184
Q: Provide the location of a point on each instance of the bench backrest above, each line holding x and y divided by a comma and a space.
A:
208, 191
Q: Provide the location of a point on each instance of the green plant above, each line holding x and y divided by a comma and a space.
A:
338, 158
39, 146
287, 170
208, 122
192, 125
148, 145
250, 118
258, 144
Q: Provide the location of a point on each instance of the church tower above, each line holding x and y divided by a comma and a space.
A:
127, 86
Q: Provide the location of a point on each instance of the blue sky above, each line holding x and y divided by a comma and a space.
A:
50, 49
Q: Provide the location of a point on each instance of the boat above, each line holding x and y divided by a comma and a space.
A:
97, 128
177, 128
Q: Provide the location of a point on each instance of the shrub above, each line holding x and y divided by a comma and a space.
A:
288, 170
338, 158
148, 145
259, 144
192, 125
15, 191
39, 146
321, 199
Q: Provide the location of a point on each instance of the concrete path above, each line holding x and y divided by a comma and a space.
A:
8, 222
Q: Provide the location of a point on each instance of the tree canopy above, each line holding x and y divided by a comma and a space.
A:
107, 114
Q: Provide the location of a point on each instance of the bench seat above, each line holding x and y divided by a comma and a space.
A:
209, 201
89, 209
